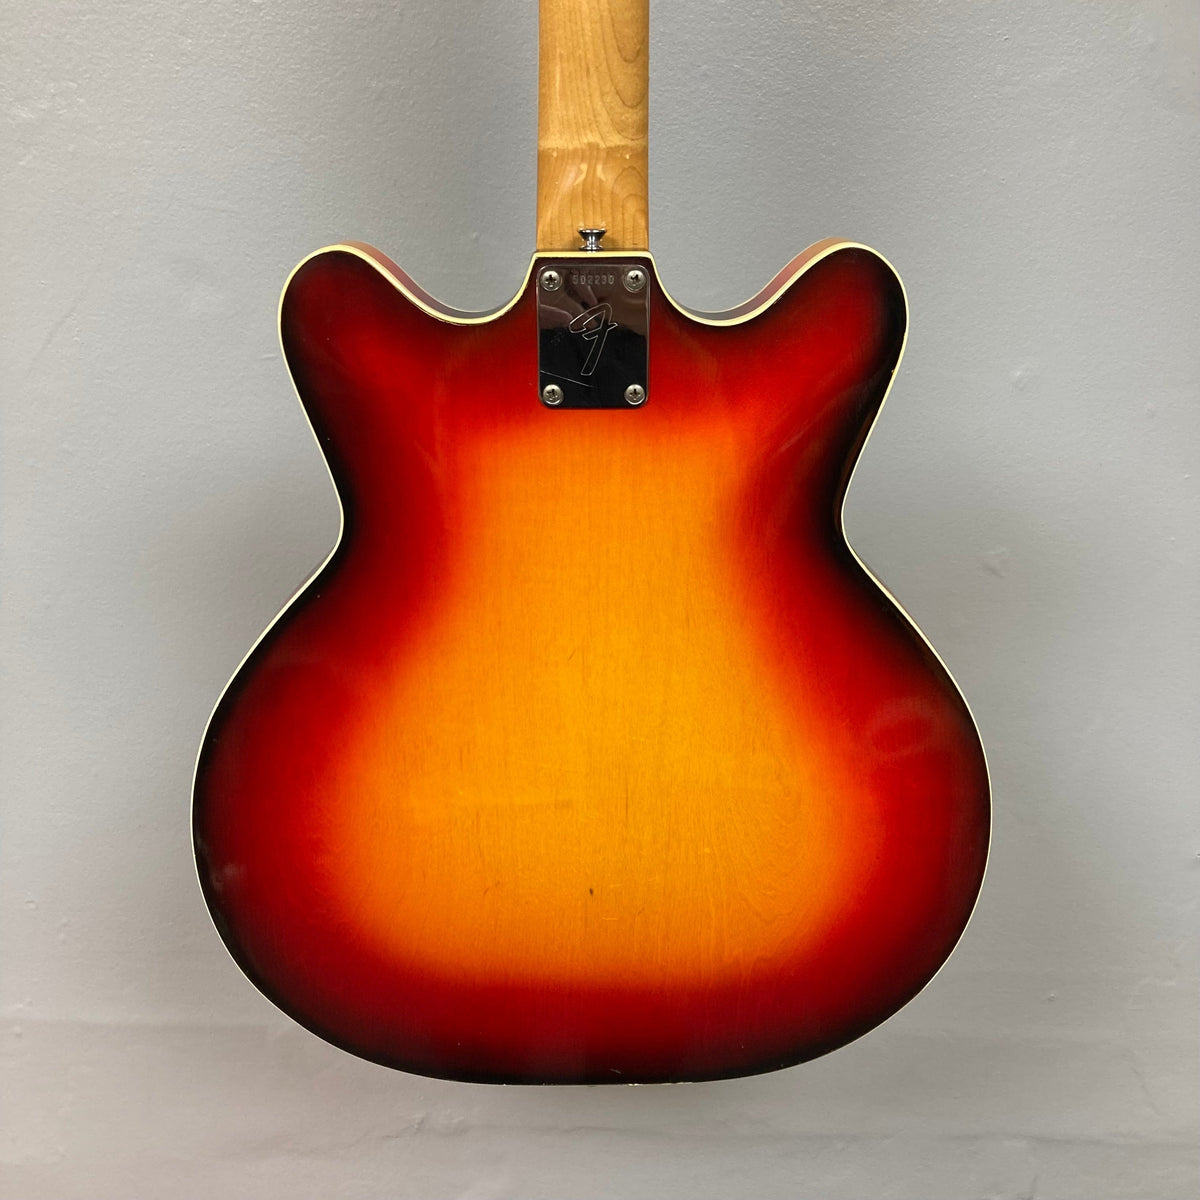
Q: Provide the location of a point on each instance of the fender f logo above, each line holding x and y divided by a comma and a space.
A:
593, 326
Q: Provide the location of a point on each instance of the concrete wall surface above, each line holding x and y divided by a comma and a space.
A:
1033, 170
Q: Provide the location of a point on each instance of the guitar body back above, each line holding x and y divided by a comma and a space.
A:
593, 753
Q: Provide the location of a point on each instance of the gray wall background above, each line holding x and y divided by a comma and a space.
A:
1033, 171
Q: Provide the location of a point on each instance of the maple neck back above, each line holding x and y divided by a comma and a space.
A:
593, 82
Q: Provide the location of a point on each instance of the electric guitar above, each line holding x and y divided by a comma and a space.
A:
593, 753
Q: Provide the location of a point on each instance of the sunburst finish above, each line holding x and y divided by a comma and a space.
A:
593, 753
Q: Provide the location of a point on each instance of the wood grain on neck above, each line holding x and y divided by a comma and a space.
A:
592, 115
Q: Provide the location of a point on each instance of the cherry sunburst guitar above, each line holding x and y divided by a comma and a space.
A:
592, 753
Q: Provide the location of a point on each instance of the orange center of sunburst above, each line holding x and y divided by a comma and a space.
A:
583, 771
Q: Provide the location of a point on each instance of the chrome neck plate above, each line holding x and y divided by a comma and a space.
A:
593, 331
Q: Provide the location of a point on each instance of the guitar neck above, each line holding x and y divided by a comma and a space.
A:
593, 82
